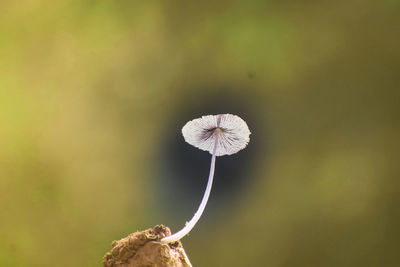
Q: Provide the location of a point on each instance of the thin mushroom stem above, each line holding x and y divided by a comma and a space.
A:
189, 225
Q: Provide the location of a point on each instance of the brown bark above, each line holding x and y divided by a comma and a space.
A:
142, 249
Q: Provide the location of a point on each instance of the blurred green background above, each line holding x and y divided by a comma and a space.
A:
93, 95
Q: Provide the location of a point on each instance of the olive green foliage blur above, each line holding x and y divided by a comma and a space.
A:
88, 89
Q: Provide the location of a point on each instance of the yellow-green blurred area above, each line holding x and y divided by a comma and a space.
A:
93, 95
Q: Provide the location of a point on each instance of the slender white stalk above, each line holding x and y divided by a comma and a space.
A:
189, 225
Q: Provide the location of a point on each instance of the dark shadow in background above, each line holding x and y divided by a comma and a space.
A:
183, 169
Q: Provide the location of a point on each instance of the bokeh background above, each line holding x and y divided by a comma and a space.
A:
93, 95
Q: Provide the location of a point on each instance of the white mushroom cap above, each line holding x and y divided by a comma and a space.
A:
233, 133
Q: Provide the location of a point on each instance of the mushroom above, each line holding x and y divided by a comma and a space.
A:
223, 134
